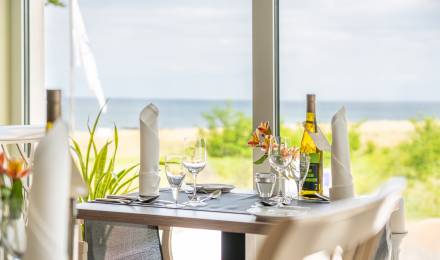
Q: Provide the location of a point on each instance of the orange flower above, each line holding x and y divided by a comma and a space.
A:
284, 151
266, 143
295, 152
2, 161
264, 128
255, 140
16, 169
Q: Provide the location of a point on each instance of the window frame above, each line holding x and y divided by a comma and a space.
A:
26, 103
265, 66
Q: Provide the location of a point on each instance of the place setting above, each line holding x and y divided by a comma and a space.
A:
301, 163
175, 167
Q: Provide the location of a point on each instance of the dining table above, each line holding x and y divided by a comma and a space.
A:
227, 214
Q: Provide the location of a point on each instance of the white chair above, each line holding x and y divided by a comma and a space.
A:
17, 136
354, 225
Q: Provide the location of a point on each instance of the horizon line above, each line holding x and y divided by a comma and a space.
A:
249, 100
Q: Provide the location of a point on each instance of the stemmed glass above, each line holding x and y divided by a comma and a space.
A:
194, 160
175, 174
280, 156
300, 167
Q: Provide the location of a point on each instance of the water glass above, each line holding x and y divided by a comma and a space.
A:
194, 160
265, 183
175, 174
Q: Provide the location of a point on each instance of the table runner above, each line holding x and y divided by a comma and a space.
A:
232, 202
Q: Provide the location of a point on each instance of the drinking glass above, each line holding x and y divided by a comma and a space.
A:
265, 183
300, 168
194, 160
175, 174
280, 156
13, 228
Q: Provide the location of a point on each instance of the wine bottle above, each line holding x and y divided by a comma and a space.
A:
53, 107
313, 183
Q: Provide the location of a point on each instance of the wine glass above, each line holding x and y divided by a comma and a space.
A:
280, 157
175, 174
300, 167
194, 160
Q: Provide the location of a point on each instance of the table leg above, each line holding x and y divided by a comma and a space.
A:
233, 246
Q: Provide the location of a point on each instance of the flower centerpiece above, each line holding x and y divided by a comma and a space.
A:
261, 139
12, 172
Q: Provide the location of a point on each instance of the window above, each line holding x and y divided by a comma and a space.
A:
193, 59
379, 59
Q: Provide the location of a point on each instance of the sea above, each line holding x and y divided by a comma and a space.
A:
175, 113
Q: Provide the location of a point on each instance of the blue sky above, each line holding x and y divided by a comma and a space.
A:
338, 49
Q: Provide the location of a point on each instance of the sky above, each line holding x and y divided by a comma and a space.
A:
374, 50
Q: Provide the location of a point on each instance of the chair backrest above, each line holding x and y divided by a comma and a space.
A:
347, 223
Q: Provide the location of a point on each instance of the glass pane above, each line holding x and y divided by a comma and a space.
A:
379, 59
190, 58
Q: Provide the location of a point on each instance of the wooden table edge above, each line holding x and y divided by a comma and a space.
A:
233, 226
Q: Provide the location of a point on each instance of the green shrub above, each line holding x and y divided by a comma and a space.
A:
228, 132
421, 153
417, 159
354, 137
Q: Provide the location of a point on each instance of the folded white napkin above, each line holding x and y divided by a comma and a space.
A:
342, 181
49, 198
149, 169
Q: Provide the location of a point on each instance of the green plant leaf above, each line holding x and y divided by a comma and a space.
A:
98, 167
79, 156
120, 176
127, 182
261, 160
92, 135
16, 199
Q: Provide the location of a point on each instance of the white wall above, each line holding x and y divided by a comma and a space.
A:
11, 62
4, 61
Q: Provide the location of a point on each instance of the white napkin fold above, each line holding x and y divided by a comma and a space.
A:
149, 177
342, 181
49, 198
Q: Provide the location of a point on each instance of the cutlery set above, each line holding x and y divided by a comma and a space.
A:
148, 200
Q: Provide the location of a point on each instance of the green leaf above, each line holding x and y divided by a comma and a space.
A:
119, 177
16, 199
100, 161
79, 155
261, 160
98, 168
92, 134
56, 3
127, 182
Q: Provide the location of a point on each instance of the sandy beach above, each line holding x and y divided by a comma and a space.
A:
381, 133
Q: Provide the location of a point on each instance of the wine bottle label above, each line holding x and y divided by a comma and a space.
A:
312, 180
